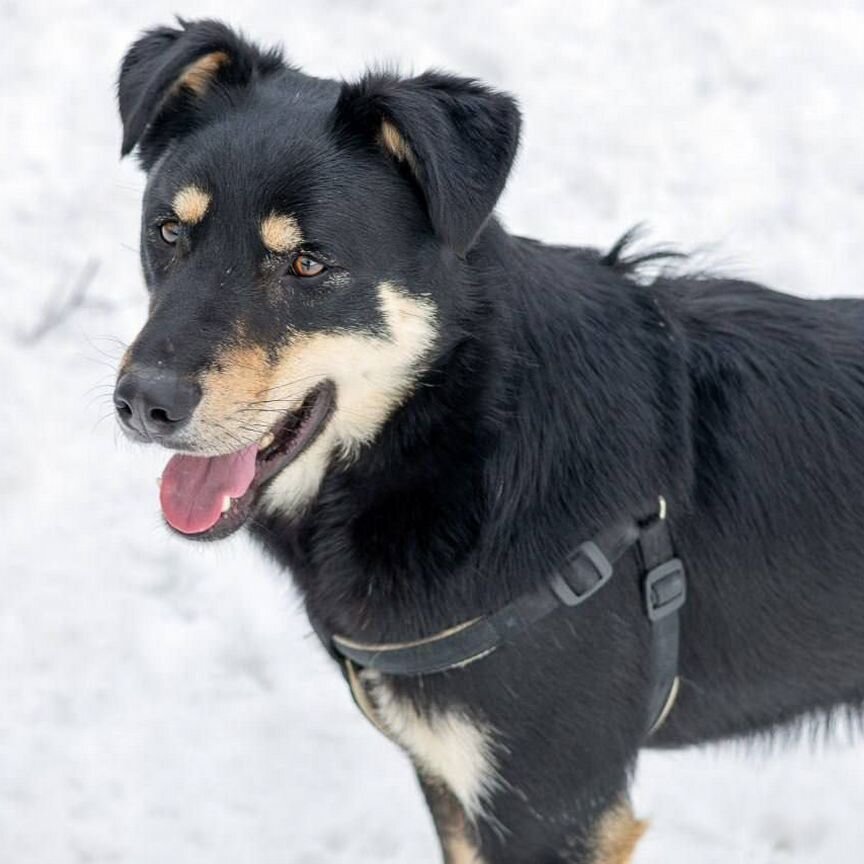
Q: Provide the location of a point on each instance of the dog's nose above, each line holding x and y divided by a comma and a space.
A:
153, 402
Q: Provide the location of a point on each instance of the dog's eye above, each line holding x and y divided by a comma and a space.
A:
305, 266
170, 231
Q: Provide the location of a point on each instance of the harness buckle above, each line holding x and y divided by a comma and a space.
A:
665, 589
588, 559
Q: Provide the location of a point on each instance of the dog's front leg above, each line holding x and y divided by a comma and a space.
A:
530, 836
538, 784
460, 841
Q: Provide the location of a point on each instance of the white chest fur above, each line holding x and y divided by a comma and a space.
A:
448, 745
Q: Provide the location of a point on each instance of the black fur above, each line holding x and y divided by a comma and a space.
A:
463, 137
156, 61
562, 394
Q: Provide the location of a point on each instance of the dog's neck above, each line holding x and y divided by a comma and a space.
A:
464, 499
527, 436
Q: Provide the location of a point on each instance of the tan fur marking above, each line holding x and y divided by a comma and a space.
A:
190, 204
198, 75
391, 140
449, 746
458, 849
242, 377
456, 835
617, 835
281, 233
373, 375
245, 390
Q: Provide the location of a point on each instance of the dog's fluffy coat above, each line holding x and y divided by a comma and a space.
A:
554, 394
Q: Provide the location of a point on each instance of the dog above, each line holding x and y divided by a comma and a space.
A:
544, 507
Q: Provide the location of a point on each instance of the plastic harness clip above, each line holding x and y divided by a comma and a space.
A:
587, 561
665, 589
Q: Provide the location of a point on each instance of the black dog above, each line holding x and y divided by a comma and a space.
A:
452, 437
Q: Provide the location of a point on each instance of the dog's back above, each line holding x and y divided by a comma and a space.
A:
772, 525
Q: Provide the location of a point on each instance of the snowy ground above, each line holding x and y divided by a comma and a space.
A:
160, 701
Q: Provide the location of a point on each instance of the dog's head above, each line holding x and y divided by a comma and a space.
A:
299, 239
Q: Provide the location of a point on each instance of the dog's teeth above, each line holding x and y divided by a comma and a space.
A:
159, 481
226, 503
266, 441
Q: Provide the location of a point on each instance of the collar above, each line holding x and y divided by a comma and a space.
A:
583, 574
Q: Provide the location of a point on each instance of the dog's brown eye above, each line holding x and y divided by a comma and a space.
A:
305, 266
170, 231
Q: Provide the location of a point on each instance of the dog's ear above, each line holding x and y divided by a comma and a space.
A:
455, 136
169, 74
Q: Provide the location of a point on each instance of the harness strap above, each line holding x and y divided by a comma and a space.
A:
584, 573
665, 592
362, 699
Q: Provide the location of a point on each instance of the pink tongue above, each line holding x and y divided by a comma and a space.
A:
194, 487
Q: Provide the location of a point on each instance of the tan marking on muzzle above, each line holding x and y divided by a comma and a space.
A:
190, 204
281, 233
198, 75
229, 390
245, 392
373, 375
617, 835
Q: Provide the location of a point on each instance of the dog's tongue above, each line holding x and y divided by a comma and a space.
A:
194, 487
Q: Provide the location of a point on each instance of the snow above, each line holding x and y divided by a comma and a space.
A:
160, 701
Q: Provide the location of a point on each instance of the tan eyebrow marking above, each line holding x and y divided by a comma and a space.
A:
190, 204
198, 75
281, 232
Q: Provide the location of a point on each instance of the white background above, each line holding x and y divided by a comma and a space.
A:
160, 701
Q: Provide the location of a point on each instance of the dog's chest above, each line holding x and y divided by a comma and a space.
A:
448, 746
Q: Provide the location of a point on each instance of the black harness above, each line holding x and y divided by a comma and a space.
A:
584, 573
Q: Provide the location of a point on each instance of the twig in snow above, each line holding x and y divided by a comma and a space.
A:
57, 310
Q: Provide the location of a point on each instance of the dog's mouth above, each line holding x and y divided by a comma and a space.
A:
210, 497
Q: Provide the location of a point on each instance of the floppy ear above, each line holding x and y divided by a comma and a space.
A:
456, 137
168, 75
